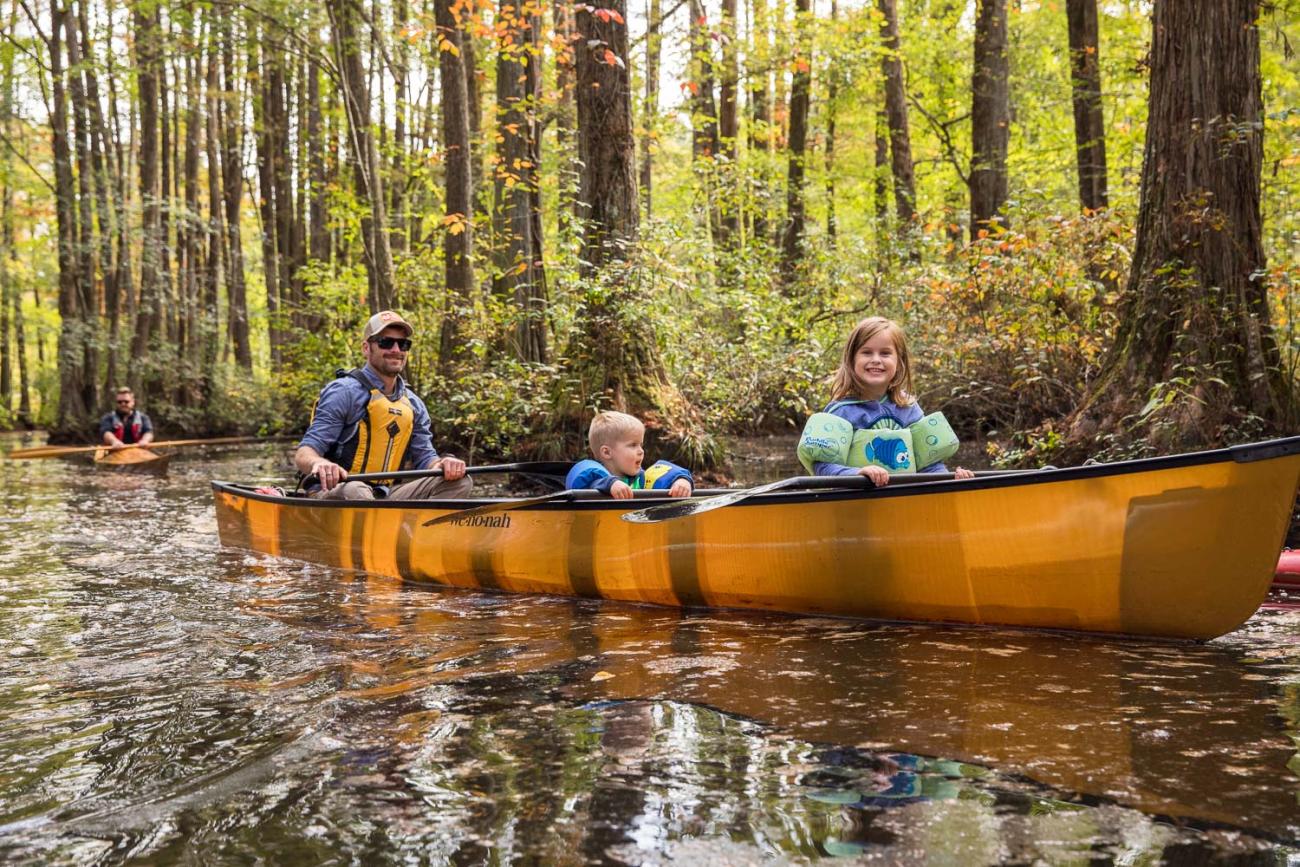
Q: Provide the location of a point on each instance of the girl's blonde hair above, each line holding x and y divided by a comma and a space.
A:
846, 383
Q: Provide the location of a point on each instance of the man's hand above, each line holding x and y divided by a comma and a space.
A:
680, 488
620, 491
879, 475
453, 468
329, 473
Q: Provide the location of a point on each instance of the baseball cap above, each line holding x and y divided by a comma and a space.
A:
382, 320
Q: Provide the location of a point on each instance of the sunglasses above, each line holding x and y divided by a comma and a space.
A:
128, 400
402, 343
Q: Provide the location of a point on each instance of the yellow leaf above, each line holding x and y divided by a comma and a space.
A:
601, 675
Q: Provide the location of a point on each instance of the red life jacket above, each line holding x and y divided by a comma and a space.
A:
119, 428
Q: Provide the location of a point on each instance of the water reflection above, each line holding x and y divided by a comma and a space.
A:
161, 697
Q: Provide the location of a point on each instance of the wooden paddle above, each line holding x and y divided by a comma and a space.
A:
687, 508
60, 451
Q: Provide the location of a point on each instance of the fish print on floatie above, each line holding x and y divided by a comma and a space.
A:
889, 452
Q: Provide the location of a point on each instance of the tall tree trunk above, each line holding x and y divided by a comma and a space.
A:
565, 112
319, 211
470, 23
1085, 86
792, 237
728, 125
616, 356
369, 180
192, 321
458, 224
900, 137
215, 230
267, 157
881, 190
704, 112
147, 45
650, 109
87, 270
517, 253
990, 116
1196, 305
832, 96
101, 158
73, 414
401, 108
232, 189
8, 293
758, 60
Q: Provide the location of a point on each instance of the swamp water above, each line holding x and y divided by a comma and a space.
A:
165, 700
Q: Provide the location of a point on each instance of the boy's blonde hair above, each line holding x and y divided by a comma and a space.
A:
847, 384
608, 426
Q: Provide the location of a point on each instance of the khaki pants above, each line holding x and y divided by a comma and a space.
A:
416, 489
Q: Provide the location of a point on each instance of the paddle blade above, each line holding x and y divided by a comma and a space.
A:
688, 508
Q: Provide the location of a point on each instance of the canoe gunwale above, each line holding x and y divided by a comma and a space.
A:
593, 500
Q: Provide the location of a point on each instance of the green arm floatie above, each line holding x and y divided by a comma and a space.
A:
825, 438
933, 440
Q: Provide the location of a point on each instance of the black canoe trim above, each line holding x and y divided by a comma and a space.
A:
593, 500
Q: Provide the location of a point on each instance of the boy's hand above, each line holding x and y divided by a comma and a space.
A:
620, 491
879, 475
680, 488
962, 473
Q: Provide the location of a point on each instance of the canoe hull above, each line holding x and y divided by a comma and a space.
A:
138, 460
1180, 550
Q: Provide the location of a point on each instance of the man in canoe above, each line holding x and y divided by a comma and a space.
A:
125, 425
368, 421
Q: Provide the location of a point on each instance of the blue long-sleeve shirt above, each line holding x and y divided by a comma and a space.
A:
869, 415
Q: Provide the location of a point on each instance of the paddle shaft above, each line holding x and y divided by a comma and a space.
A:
537, 468
687, 508
59, 451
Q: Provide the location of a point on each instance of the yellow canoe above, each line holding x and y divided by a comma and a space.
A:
1183, 546
132, 460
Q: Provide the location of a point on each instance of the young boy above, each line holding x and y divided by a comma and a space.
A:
618, 442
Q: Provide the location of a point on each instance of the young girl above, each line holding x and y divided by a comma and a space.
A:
873, 390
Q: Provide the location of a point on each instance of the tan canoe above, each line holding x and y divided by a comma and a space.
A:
133, 460
1183, 546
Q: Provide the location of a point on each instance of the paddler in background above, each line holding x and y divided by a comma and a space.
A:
125, 425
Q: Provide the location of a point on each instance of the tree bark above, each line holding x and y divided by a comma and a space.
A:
1085, 86
232, 173
87, 270
792, 236
990, 116
760, 125
516, 251
1194, 331
458, 225
73, 414
267, 156
617, 357
900, 137
369, 180
650, 108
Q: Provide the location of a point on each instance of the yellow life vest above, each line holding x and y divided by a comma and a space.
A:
379, 438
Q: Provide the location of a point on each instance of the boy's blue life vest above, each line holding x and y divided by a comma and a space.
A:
379, 438
830, 439
661, 476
